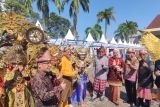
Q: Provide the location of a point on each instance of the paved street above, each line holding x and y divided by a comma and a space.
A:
107, 103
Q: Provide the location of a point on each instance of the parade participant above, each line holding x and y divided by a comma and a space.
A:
2, 93
79, 93
116, 68
42, 87
101, 70
130, 76
17, 92
68, 74
157, 81
145, 79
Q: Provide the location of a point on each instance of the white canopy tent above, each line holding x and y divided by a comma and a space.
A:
90, 38
125, 43
91, 43
69, 36
120, 42
103, 39
113, 41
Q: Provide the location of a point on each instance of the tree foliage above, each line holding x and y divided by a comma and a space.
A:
126, 30
57, 26
106, 15
18, 6
96, 31
74, 10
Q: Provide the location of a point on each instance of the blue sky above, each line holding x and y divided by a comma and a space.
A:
140, 11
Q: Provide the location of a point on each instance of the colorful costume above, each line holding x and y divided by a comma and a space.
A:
66, 69
18, 94
16, 89
2, 90
83, 66
79, 93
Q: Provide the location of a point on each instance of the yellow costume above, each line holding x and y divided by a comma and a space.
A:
66, 65
66, 69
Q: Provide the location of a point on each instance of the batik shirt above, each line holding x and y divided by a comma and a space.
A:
42, 87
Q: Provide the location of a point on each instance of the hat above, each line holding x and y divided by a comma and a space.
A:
46, 56
82, 51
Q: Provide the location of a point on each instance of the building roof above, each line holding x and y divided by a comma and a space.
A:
155, 23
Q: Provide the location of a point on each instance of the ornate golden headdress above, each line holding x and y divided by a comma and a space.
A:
11, 20
83, 51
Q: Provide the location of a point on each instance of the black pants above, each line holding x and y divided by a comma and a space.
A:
131, 91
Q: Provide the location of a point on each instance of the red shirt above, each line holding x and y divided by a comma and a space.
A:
113, 74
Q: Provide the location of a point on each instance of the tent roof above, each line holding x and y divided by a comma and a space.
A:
90, 38
103, 40
113, 41
120, 42
125, 43
69, 35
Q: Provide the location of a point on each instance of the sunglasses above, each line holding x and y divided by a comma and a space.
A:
45, 62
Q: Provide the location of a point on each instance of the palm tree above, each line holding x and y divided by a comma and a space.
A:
126, 30
28, 4
74, 9
43, 6
106, 15
95, 31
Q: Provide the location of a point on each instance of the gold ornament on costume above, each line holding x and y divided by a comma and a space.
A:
55, 52
16, 55
152, 44
12, 24
12, 21
86, 62
9, 75
32, 52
